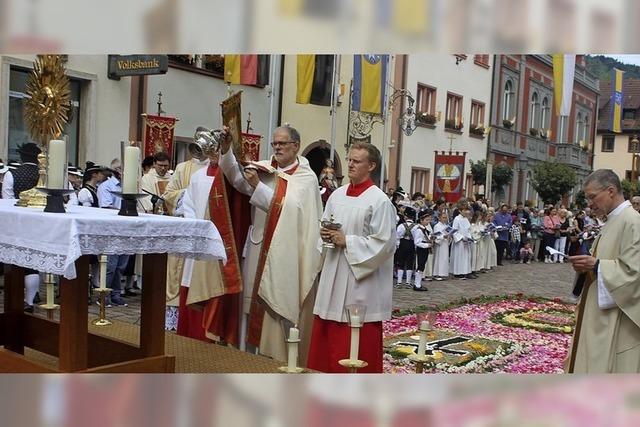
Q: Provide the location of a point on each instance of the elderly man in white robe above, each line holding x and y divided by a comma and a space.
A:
359, 270
607, 333
461, 252
281, 260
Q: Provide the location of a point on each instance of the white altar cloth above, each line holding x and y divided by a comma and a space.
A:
52, 242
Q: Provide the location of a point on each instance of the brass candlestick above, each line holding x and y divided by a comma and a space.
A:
353, 364
102, 320
419, 361
102, 291
50, 307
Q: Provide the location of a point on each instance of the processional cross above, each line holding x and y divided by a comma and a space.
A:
439, 345
451, 138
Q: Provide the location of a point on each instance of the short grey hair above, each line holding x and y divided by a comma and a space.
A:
293, 133
603, 178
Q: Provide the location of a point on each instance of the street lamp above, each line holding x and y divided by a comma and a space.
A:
634, 158
522, 166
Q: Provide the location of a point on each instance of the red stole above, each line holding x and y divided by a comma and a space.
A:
354, 190
256, 311
221, 314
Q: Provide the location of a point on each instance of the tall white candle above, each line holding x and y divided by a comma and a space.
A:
355, 343
131, 168
103, 271
292, 359
56, 164
422, 346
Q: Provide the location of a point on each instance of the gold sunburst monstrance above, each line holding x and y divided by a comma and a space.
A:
46, 113
47, 109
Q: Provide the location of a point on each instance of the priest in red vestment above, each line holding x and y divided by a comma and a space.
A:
209, 307
359, 270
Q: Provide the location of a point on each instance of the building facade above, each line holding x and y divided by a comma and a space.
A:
615, 151
106, 111
526, 129
452, 95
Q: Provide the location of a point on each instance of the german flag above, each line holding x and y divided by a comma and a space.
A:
246, 69
314, 77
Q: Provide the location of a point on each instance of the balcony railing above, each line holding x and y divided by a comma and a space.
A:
573, 155
508, 142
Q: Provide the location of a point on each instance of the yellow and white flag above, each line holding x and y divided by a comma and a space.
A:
564, 67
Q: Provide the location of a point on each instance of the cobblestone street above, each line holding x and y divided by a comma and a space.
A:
537, 279
544, 280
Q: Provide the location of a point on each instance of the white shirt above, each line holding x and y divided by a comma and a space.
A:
605, 300
7, 186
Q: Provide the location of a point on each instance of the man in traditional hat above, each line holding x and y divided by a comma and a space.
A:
93, 176
406, 249
16, 181
24, 177
116, 264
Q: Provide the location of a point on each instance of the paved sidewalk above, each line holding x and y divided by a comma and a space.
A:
538, 279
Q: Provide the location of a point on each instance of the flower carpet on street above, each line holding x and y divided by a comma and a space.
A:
512, 334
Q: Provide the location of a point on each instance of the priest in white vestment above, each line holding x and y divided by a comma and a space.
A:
607, 334
173, 203
359, 270
281, 261
155, 181
461, 250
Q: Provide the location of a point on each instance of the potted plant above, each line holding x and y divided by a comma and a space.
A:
533, 132
477, 130
450, 124
426, 118
543, 133
507, 124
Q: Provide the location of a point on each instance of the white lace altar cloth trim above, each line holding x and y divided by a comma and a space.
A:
51, 242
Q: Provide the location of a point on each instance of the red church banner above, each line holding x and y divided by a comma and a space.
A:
449, 175
158, 134
251, 146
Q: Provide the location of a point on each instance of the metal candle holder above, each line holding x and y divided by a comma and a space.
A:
102, 321
50, 307
129, 205
55, 201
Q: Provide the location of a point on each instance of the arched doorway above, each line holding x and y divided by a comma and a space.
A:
317, 153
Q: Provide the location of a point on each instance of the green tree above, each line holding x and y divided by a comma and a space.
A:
581, 200
501, 176
552, 180
629, 189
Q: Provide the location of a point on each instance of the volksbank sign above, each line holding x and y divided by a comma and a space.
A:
137, 65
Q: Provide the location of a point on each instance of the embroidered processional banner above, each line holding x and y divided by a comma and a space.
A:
251, 146
158, 134
449, 175
232, 118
